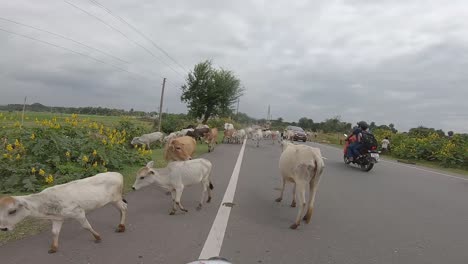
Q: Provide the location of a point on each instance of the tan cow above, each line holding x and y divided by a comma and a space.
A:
181, 148
211, 139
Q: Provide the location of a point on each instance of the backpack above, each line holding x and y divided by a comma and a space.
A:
368, 140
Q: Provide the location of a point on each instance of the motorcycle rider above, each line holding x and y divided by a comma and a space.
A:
353, 149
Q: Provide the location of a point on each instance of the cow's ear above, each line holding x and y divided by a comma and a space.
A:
150, 164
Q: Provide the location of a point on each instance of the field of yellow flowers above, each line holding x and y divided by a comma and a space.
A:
56, 150
451, 152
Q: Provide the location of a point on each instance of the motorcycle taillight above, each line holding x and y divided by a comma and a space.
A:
373, 148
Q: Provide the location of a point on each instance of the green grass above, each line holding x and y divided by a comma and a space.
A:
10, 118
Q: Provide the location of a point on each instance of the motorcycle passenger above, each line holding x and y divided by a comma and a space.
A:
354, 148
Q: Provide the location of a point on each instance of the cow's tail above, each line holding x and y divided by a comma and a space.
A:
314, 173
211, 186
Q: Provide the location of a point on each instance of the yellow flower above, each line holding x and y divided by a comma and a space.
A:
41, 172
85, 158
33, 170
49, 179
67, 154
103, 163
95, 164
94, 153
104, 141
6, 155
17, 143
18, 157
33, 136
9, 147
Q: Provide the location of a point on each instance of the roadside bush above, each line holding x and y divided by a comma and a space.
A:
56, 152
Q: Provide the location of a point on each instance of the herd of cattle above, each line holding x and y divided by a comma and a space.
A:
180, 145
301, 165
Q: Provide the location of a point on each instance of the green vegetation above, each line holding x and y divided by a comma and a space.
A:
210, 92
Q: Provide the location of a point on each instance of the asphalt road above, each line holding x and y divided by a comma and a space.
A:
392, 214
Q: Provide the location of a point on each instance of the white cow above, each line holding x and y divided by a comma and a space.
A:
275, 135
249, 132
290, 135
267, 134
147, 139
257, 136
241, 134
169, 137
302, 165
183, 132
175, 177
228, 126
65, 201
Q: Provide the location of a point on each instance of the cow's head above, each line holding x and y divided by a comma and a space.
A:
12, 212
145, 176
177, 148
135, 140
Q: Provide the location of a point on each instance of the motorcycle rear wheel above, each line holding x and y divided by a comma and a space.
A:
367, 167
346, 160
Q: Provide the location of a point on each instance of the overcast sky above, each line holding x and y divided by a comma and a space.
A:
402, 62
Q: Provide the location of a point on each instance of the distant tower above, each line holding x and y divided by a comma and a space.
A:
268, 121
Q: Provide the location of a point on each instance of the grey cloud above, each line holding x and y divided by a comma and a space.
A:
398, 62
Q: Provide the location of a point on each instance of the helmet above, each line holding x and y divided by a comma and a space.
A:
363, 125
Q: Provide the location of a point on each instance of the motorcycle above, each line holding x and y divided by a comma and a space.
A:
370, 156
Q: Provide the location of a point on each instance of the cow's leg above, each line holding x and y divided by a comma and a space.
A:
313, 192
209, 191
205, 184
293, 203
174, 207
56, 227
302, 204
282, 191
178, 192
86, 225
122, 206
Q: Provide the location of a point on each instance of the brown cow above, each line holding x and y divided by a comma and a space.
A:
228, 135
181, 148
211, 138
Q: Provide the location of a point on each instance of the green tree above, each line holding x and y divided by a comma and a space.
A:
306, 123
210, 92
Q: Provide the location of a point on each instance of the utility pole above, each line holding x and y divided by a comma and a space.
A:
22, 115
161, 104
237, 111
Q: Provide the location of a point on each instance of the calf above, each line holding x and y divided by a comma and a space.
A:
69, 200
181, 148
302, 165
175, 177
147, 139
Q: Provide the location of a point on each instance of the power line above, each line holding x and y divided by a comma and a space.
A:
138, 31
73, 51
64, 37
123, 34
80, 43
